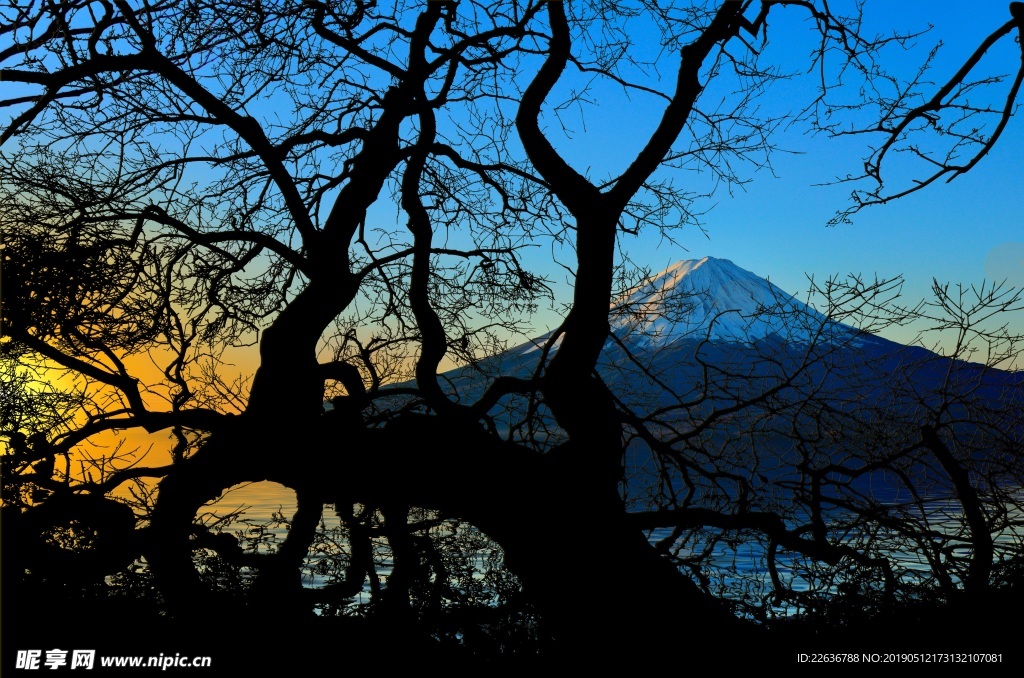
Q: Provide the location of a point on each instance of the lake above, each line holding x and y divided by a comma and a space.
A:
735, 568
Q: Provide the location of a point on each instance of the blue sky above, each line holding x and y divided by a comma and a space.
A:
776, 226
946, 231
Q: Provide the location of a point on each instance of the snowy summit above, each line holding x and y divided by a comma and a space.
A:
714, 299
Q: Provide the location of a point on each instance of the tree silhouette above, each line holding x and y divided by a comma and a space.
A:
185, 178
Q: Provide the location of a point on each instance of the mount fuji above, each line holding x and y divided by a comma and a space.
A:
705, 336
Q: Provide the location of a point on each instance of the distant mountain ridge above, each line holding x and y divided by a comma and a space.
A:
708, 329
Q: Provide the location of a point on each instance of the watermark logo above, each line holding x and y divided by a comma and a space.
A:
56, 658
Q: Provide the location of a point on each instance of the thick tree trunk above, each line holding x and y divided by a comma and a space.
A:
591, 576
600, 585
566, 537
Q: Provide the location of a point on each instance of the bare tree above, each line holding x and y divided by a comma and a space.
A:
182, 178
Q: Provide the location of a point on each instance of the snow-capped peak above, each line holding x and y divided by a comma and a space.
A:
715, 299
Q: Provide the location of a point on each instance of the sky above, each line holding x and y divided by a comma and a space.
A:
947, 231
963, 232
